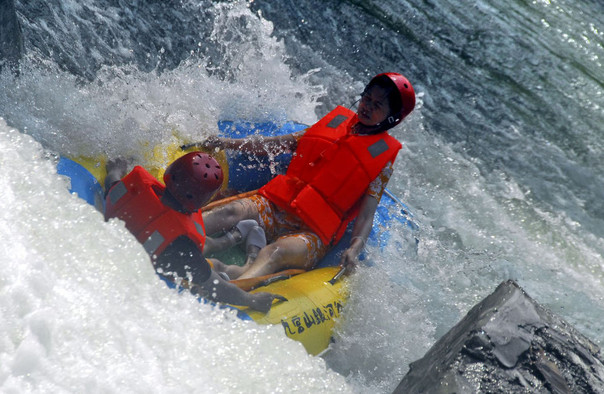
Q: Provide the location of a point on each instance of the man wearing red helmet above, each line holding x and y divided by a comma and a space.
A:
339, 170
167, 221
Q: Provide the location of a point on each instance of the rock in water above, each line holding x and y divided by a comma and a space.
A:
11, 38
508, 343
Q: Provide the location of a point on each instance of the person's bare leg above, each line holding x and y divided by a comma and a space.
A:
232, 271
255, 241
245, 230
251, 254
289, 252
225, 217
214, 245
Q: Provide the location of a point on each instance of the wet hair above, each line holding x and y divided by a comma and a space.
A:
394, 96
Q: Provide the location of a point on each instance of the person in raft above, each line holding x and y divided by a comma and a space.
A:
167, 221
338, 172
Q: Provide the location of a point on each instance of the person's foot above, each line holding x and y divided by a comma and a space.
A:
240, 232
235, 271
255, 238
245, 226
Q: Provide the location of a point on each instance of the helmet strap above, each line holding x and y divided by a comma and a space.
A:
170, 201
387, 124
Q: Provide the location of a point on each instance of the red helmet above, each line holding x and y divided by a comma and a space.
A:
407, 96
193, 179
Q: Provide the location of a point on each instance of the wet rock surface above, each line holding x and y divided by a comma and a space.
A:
508, 343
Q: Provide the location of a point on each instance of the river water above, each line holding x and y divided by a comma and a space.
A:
502, 167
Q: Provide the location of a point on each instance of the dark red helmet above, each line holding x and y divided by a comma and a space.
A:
193, 179
402, 104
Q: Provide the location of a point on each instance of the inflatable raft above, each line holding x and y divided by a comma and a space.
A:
315, 299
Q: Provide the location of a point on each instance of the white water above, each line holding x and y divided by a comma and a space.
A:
83, 311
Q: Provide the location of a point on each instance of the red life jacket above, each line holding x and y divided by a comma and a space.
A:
330, 172
136, 201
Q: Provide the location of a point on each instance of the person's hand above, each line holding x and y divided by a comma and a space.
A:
348, 262
350, 257
262, 302
116, 169
118, 164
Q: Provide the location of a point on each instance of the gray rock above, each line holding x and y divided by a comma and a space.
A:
508, 343
11, 37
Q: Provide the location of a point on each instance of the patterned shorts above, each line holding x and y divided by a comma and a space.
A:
279, 224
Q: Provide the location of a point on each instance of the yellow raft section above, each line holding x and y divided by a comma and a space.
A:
312, 308
313, 304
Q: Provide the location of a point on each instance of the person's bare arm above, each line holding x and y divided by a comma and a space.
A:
257, 145
360, 232
364, 221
